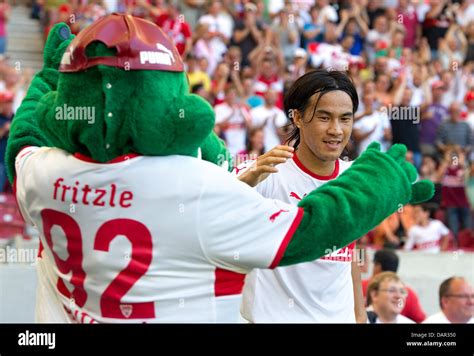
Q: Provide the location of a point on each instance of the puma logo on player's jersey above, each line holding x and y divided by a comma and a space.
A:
237, 169
296, 196
274, 216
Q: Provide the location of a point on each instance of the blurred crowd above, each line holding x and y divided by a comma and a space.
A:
412, 62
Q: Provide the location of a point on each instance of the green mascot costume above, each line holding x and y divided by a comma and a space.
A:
116, 164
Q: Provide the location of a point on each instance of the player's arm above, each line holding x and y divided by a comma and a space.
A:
344, 209
24, 130
265, 165
359, 302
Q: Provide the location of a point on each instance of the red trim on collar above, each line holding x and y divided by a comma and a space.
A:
307, 171
118, 159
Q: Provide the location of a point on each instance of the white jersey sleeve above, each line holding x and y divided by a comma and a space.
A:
242, 230
20, 162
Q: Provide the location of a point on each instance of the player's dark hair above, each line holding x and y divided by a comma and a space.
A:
318, 81
387, 259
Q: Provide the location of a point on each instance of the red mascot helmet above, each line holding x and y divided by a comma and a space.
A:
140, 44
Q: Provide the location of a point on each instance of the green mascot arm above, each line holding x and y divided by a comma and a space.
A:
213, 150
343, 210
24, 130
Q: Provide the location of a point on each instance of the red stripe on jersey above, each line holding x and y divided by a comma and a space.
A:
287, 239
40, 249
24, 153
228, 282
118, 159
307, 171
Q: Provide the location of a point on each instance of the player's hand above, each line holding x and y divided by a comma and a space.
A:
421, 190
265, 165
58, 39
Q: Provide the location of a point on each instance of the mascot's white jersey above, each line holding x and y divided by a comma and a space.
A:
145, 239
319, 291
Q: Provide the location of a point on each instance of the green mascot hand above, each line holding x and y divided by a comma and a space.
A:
24, 130
58, 39
420, 191
214, 150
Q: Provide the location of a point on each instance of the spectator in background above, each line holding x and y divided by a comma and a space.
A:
313, 31
255, 145
386, 297
427, 235
203, 48
372, 126
453, 48
248, 32
352, 24
464, 12
453, 191
383, 85
284, 33
220, 25
298, 65
406, 14
175, 26
456, 300
271, 118
436, 24
454, 131
268, 65
374, 10
432, 115
4, 17
392, 231
379, 37
386, 260
250, 98
232, 120
429, 170
405, 125
6, 116
327, 13
195, 74
469, 114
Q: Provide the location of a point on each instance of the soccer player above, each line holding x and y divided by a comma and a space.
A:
321, 105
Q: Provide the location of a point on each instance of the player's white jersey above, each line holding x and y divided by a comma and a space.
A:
319, 291
145, 239
426, 238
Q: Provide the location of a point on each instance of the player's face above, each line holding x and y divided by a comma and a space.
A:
327, 132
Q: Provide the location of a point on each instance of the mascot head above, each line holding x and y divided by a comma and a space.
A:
122, 89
